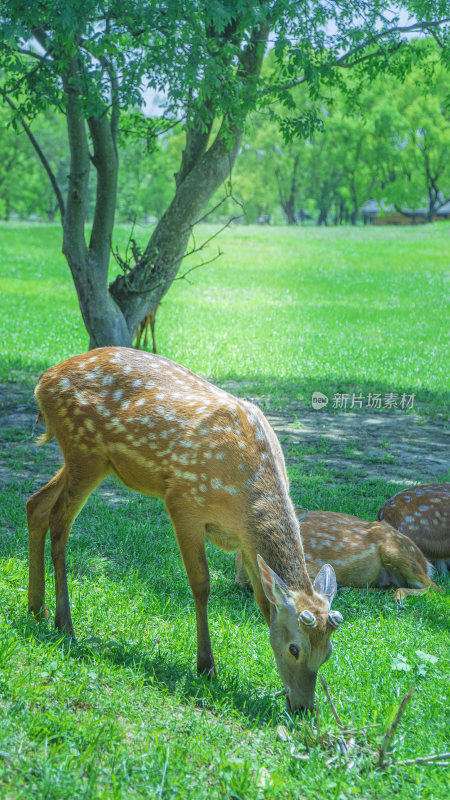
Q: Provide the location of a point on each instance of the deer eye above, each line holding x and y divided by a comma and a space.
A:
293, 649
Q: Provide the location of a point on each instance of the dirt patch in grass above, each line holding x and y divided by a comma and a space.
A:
394, 446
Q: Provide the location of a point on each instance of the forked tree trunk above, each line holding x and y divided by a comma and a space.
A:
112, 313
168, 242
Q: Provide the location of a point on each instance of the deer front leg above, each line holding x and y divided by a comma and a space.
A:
191, 541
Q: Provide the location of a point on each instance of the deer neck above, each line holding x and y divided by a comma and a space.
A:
276, 535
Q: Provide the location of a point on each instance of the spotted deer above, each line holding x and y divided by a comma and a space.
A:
423, 514
218, 466
362, 554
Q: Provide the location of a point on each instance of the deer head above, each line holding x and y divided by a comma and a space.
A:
300, 628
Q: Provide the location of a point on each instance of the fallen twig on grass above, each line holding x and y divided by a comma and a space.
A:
333, 709
391, 730
426, 760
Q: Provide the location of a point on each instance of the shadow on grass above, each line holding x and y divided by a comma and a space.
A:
177, 676
158, 670
275, 392
279, 393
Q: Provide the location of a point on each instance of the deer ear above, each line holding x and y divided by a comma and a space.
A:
325, 583
275, 589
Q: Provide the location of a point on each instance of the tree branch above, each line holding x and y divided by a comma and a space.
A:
41, 155
343, 60
77, 196
106, 164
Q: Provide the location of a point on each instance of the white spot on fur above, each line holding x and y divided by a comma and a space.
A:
216, 483
90, 376
64, 384
232, 490
117, 394
140, 402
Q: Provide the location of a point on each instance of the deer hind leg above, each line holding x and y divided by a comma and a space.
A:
191, 541
399, 562
55, 507
39, 506
81, 478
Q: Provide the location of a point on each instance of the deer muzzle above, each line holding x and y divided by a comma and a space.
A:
300, 697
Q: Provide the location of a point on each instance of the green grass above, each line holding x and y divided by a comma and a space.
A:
337, 310
122, 713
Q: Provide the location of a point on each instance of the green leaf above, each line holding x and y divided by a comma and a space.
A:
400, 664
427, 657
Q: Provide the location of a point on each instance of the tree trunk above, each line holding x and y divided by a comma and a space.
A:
322, 218
111, 313
289, 210
203, 170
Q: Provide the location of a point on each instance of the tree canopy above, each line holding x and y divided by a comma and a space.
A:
95, 61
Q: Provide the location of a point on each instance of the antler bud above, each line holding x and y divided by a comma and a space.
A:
335, 618
308, 618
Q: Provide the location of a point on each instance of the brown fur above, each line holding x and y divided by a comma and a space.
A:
361, 553
423, 514
212, 458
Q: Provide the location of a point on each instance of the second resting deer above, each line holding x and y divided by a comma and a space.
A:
423, 514
218, 466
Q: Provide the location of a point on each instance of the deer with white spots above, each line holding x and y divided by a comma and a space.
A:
362, 554
423, 514
217, 464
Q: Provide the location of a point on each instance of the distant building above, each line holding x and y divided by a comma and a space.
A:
374, 214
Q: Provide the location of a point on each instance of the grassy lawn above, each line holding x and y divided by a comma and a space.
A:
303, 310
121, 713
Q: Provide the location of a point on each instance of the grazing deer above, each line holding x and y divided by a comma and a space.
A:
217, 464
148, 321
423, 514
361, 553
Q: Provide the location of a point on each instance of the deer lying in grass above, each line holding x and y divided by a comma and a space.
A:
219, 467
361, 553
423, 514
